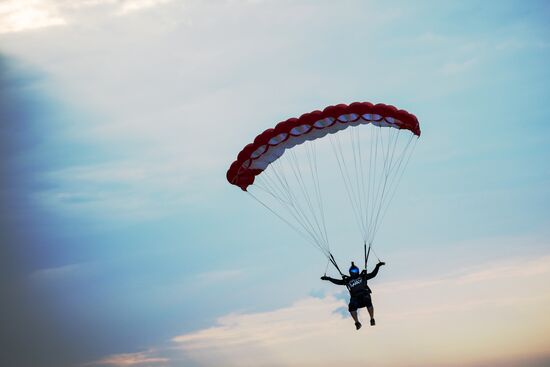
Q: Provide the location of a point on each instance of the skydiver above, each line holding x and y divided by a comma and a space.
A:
359, 291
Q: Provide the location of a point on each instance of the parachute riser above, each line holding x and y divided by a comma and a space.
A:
333, 261
367, 253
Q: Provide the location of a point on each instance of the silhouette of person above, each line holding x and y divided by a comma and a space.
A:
356, 284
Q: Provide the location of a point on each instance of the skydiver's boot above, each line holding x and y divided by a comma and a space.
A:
372, 322
358, 325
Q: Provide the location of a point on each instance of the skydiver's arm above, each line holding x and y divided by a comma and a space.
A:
334, 281
375, 271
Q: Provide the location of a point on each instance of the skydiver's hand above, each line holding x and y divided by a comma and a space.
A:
381, 263
324, 277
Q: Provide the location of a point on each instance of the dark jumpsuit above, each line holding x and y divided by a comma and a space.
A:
358, 288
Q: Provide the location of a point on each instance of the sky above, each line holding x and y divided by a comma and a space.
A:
122, 243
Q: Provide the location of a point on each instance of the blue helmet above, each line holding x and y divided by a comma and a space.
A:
353, 270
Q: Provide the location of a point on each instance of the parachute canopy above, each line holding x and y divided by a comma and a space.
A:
371, 146
271, 144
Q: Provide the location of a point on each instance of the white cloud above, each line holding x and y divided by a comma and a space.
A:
504, 302
143, 359
26, 15
22, 15
136, 5
507, 270
504, 269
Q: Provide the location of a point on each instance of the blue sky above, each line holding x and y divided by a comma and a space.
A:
120, 235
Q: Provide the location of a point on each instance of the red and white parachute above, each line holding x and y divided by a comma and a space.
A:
283, 167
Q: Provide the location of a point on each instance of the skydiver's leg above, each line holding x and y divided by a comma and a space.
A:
356, 319
352, 308
370, 308
371, 313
